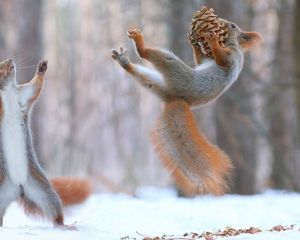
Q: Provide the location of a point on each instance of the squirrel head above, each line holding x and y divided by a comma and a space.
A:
245, 40
7, 72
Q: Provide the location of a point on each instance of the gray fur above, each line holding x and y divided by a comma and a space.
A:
148, 78
197, 86
8, 193
37, 191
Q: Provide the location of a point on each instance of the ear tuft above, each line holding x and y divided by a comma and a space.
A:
247, 40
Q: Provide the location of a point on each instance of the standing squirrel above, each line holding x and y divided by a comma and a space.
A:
196, 164
21, 177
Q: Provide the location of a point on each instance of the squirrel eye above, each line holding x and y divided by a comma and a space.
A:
233, 25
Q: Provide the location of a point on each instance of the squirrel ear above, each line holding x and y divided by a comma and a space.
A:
249, 39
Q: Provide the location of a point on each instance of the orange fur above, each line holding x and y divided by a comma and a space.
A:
138, 38
196, 165
220, 53
249, 39
130, 68
181, 181
72, 190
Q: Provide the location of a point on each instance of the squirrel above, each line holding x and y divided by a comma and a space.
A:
21, 176
196, 164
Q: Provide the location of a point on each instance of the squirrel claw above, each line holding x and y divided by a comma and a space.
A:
123, 50
210, 36
134, 34
42, 67
115, 54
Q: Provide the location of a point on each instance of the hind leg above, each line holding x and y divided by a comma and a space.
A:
8, 194
39, 192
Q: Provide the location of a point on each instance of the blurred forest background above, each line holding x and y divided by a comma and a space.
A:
94, 120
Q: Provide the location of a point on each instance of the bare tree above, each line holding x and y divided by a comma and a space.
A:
235, 131
281, 110
29, 43
296, 45
2, 32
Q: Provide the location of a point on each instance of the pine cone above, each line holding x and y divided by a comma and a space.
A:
204, 20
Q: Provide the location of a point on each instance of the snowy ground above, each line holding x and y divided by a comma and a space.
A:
156, 212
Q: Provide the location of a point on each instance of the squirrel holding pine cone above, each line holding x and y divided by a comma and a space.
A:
196, 164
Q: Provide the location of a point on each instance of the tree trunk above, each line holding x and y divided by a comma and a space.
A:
2, 33
296, 45
29, 50
235, 131
29, 42
282, 112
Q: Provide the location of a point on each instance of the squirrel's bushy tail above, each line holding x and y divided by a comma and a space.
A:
71, 190
197, 165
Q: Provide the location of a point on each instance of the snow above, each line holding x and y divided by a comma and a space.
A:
156, 212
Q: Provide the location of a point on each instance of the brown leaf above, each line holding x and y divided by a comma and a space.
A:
207, 236
252, 230
124, 238
278, 228
149, 238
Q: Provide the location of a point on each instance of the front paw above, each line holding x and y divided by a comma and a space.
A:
42, 68
211, 37
118, 55
136, 35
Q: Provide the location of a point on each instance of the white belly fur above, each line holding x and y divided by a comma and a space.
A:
13, 139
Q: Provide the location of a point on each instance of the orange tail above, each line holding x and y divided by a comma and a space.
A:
72, 190
196, 165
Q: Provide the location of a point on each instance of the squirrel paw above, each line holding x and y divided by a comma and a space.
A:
121, 58
42, 68
211, 36
136, 35
118, 55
